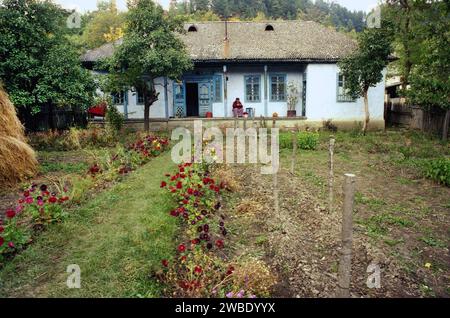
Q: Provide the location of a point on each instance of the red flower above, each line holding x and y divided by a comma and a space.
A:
1, 229
179, 185
183, 259
181, 170
1, 241
53, 200
26, 194
165, 263
163, 184
181, 248
10, 213
11, 245
230, 270
198, 270
190, 191
195, 242
185, 201
219, 244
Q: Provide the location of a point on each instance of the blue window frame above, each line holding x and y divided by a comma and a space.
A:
252, 88
342, 94
218, 88
118, 98
277, 87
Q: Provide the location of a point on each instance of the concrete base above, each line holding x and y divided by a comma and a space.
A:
283, 123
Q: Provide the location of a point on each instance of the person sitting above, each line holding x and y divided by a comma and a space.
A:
238, 108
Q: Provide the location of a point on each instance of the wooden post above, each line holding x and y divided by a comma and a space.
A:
331, 175
345, 263
235, 123
245, 123
294, 152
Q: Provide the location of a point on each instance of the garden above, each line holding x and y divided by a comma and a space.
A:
139, 225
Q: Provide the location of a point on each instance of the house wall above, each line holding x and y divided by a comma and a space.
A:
321, 97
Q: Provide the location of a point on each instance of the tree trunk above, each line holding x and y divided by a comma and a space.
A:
150, 97
366, 112
445, 127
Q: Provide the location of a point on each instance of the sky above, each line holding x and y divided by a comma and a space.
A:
89, 5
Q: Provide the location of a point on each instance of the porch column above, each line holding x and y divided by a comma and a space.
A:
225, 91
266, 94
166, 98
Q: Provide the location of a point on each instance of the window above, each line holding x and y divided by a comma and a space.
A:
269, 28
278, 88
218, 88
118, 98
139, 97
342, 94
252, 88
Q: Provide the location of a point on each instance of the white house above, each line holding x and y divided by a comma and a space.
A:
255, 61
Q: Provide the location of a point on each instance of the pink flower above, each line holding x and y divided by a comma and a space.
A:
40, 203
230, 295
19, 208
11, 245
29, 200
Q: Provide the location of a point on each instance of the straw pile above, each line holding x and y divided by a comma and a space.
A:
17, 158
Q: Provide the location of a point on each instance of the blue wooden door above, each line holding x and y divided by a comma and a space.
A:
204, 97
179, 99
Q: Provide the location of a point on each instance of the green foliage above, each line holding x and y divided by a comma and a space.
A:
66, 167
364, 69
114, 118
38, 66
305, 140
438, 170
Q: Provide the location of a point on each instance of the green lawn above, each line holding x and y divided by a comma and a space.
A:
118, 239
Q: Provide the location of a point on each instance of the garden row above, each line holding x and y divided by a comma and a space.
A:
203, 264
45, 204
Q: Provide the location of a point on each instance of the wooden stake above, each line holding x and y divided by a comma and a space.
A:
345, 263
331, 175
294, 152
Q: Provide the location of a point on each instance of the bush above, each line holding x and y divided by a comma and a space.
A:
438, 170
114, 119
305, 140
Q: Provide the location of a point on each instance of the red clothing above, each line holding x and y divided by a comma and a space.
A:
237, 104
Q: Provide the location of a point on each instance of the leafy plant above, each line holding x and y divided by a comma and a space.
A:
114, 119
438, 170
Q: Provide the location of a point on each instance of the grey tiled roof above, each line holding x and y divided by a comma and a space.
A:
290, 41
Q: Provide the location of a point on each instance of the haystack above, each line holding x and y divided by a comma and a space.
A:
17, 158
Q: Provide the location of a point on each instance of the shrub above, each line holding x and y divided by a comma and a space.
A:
114, 119
305, 140
438, 170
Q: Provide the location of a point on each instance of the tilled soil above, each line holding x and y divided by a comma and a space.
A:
304, 241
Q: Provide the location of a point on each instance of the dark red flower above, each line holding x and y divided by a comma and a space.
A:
53, 200
209, 246
185, 201
175, 213
43, 188
11, 245
182, 170
1, 229
163, 184
1, 241
190, 191
181, 248
195, 242
10, 213
198, 270
26, 194
206, 228
165, 263
219, 244
179, 185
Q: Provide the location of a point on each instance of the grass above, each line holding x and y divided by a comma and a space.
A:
118, 239
65, 167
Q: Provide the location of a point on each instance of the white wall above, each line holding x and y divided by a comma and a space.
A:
321, 97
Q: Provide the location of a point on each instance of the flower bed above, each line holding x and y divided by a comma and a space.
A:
41, 205
201, 266
35, 209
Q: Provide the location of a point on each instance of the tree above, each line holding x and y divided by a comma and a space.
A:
105, 25
38, 65
150, 49
364, 69
429, 78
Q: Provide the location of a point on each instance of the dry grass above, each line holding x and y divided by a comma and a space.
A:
17, 159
